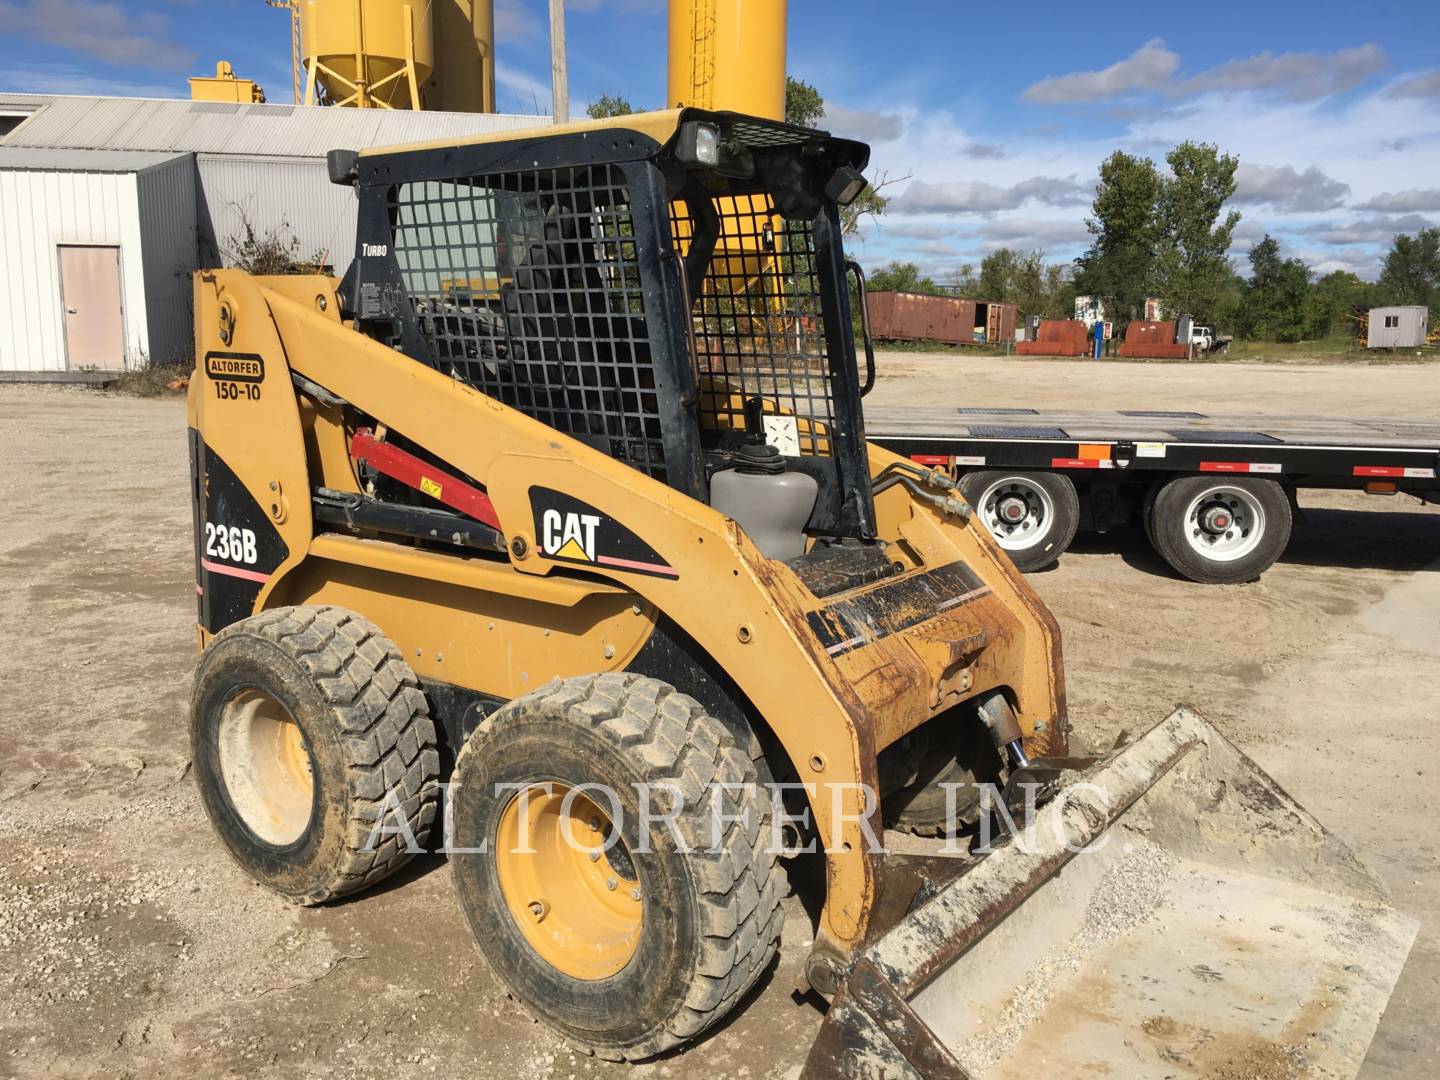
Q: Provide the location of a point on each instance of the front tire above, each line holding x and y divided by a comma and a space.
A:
627, 944
1032, 515
307, 728
1219, 531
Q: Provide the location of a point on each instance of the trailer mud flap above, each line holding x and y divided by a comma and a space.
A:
1171, 913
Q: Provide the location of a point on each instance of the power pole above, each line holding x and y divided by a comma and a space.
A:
559, 75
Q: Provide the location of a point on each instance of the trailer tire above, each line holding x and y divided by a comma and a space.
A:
308, 730
648, 944
1046, 509
1219, 530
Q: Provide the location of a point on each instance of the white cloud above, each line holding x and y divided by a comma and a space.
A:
529, 94
1399, 202
1375, 230
1150, 67
1153, 68
1028, 233
980, 151
1426, 85
1297, 76
1285, 189
103, 30
873, 127
978, 197
71, 79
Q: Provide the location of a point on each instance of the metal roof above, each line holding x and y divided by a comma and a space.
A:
217, 127
59, 159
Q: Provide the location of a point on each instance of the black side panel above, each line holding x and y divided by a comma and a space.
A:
457, 712
236, 546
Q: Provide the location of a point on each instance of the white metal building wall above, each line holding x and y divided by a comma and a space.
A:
291, 196
166, 203
38, 212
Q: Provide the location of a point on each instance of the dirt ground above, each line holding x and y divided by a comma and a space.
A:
133, 947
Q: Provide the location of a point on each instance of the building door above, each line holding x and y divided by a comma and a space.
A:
94, 311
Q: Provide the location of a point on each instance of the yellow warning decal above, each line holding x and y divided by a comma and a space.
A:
430, 487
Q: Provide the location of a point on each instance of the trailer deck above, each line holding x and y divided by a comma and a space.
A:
1030, 470
1295, 446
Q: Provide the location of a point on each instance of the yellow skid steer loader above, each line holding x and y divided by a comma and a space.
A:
562, 495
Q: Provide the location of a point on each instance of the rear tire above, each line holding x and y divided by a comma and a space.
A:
306, 727
1045, 509
924, 806
1219, 531
622, 985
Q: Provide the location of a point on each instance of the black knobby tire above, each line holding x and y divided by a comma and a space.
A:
711, 918
367, 740
1053, 501
924, 807
1261, 511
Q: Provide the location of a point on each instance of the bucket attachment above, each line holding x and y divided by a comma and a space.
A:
1173, 913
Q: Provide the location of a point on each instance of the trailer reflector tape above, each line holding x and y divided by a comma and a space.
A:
1420, 474
970, 460
930, 459
1080, 463
1240, 466
1150, 449
1383, 470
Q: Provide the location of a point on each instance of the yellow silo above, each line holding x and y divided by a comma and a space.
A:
464, 75
728, 55
369, 54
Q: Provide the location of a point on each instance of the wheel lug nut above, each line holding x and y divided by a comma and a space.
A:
611, 884
634, 894
594, 856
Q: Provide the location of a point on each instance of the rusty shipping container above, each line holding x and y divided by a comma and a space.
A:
898, 316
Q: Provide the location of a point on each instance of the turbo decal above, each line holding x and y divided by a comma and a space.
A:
571, 531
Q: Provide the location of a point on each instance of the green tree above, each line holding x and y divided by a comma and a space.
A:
1334, 301
1121, 260
1191, 268
1411, 271
803, 104
608, 105
902, 277
998, 273
1275, 304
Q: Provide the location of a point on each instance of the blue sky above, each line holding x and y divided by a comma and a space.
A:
991, 118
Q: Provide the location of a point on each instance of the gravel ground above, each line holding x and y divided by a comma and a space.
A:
135, 948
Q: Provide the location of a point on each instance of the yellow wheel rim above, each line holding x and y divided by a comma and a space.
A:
577, 903
266, 767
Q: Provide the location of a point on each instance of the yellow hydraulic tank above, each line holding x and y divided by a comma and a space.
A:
728, 54
367, 53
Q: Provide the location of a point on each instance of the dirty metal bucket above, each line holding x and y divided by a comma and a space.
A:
1209, 928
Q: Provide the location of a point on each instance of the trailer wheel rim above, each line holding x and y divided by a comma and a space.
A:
266, 767
1224, 523
568, 881
1018, 512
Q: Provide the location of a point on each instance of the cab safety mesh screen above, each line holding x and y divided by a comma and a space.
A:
527, 287
756, 321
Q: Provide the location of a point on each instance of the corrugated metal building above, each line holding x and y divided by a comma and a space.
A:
151, 190
1398, 327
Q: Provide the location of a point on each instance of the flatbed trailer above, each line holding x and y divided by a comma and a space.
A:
1216, 494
